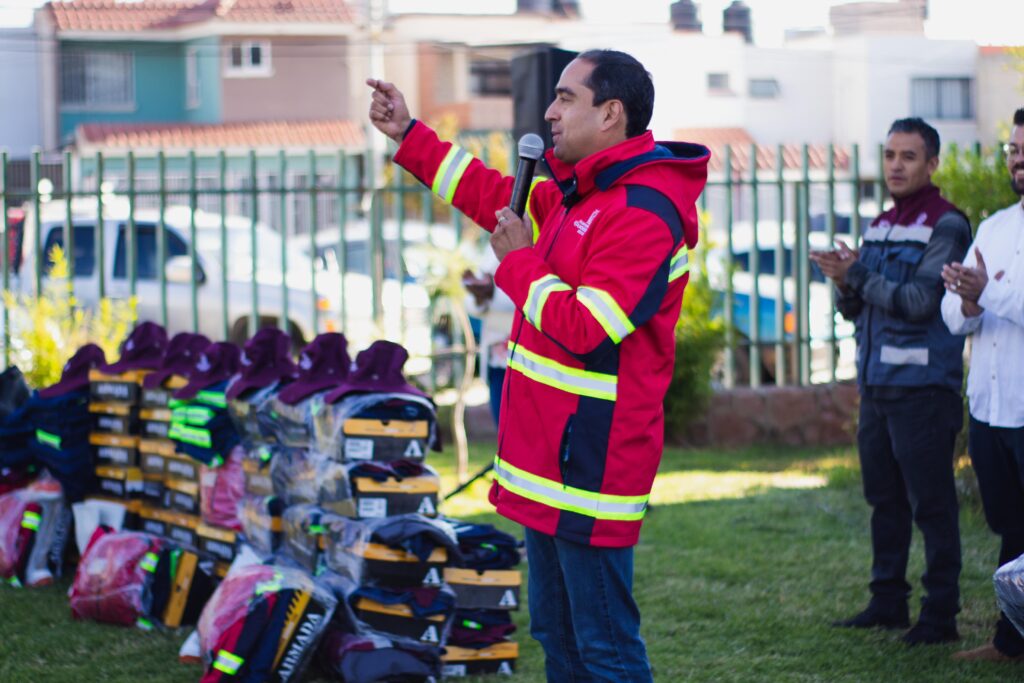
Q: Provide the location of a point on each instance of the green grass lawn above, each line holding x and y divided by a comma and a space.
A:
745, 559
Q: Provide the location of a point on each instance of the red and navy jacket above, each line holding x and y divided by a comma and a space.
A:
593, 341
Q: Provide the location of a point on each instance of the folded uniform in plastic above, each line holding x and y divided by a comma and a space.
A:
308, 477
34, 529
368, 658
1009, 583
263, 623
378, 426
385, 489
261, 522
422, 614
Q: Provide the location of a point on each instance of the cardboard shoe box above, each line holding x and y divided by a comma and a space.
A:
120, 483
496, 589
459, 662
385, 440
400, 620
152, 489
257, 478
123, 388
154, 423
160, 397
176, 526
116, 450
393, 497
181, 495
114, 418
392, 567
221, 544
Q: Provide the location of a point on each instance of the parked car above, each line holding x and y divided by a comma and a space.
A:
215, 265
822, 318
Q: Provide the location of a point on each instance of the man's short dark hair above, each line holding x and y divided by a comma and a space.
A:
922, 128
1018, 117
618, 76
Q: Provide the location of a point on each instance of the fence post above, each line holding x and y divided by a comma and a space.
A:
282, 212
100, 233
222, 172
193, 201
37, 228
314, 220
8, 239
132, 235
780, 272
161, 233
254, 195
831, 231
729, 377
755, 272
342, 223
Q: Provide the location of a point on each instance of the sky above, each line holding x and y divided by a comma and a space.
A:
987, 22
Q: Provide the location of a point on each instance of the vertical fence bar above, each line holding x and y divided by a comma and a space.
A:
37, 227
730, 332
755, 273
803, 263
855, 213
342, 223
100, 230
282, 174
69, 234
831, 231
161, 233
780, 271
222, 172
314, 219
254, 212
132, 234
193, 205
373, 226
400, 218
8, 240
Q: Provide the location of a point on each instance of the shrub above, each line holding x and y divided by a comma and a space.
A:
700, 338
976, 181
47, 329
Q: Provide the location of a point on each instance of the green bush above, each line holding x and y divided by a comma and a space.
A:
700, 338
976, 181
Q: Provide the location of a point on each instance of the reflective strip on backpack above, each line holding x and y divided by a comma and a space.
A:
144, 624
557, 495
149, 561
217, 399
606, 311
48, 439
450, 172
271, 585
30, 520
540, 290
228, 662
679, 266
554, 374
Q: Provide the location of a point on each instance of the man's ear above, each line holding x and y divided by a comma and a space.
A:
614, 115
933, 164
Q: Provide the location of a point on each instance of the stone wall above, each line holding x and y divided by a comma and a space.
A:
817, 415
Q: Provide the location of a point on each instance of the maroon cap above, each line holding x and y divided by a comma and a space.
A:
265, 360
323, 364
378, 369
216, 363
143, 349
75, 375
182, 352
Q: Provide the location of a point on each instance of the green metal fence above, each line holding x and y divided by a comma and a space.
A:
781, 322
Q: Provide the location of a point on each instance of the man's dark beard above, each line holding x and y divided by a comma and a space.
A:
1017, 187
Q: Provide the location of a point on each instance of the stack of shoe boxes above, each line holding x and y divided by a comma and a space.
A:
114, 404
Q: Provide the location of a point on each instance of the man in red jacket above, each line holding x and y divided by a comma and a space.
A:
592, 345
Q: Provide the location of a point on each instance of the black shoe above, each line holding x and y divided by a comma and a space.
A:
876, 618
930, 634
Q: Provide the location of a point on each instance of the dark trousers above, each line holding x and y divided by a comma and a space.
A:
906, 456
997, 454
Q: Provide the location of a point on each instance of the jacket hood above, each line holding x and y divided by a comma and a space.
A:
677, 169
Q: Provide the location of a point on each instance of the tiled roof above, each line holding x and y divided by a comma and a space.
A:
143, 15
739, 141
334, 133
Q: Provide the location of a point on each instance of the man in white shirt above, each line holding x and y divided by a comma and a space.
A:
985, 297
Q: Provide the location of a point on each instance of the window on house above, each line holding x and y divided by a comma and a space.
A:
942, 98
490, 77
248, 58
764, 88
718, 82
192, 91
97, 79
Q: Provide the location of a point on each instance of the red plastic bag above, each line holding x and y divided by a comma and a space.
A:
111, 582
222, 489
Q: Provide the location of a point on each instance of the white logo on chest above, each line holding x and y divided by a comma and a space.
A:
583, 226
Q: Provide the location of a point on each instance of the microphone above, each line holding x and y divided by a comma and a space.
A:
531, 148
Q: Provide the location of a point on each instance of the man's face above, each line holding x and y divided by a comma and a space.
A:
1015, 161
575, 121
907, 166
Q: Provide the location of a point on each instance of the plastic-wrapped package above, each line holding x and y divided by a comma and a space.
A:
1009, 582
399, 552
377, 426
289, 425
308, 477
477, 629
112, 584
484, 547
397, 487
422, 614
221, 489
305, 529
263, 623
367, 658
244, 412
261, 522
34, 529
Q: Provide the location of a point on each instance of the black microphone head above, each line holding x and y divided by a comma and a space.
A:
531, 146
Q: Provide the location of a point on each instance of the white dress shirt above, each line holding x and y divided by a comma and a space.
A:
995, 384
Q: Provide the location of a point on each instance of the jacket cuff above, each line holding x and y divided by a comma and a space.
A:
512, 269
856, 276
